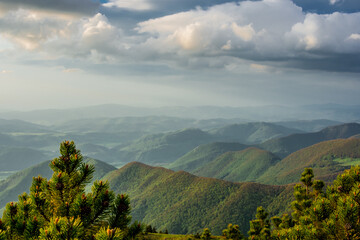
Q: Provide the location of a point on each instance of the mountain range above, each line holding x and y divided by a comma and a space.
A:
335, 112
285, 145
185, 203
218, 171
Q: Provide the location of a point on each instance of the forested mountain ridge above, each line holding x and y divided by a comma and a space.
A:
203, 154
165, 148
184, 203
327, 159
239, 166
252, 133
284, 146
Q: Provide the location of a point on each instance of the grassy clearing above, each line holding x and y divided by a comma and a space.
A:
161, 236
347, 161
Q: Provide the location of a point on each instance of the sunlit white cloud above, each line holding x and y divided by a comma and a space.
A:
130, 4
5, 71
71, 70
332, 2
262, 30
354, 36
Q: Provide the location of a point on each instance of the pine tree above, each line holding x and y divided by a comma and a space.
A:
206, 235
334, 214
61, 209
233, 232
260, 227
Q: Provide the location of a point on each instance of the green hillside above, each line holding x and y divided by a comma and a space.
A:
20, 182
240, 166
203, 154
165, 148
184, 203
326, 158
283, 146
309, 125
162, 148
14, 125
253, 132
17, 158
6, 140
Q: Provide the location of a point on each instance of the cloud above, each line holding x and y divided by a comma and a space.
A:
354, 36
29, 29
166, 7
268, 30
326, 33
163, 6
5, 71
275, 33
332, 2
137, 5
71, 70
88, 37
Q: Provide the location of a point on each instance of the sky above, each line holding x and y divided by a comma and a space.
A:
66, 53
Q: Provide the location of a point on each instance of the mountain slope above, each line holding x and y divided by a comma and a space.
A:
14, 125
17, 158
254, 132
184, 203
285, 145
309, 125
239, 166
164, 147
203, 154
326, 158
146, 124
20, 182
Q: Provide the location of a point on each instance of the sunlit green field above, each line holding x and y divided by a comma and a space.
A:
161, 236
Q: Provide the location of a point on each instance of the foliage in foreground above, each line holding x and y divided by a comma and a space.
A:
60, 208
334, 214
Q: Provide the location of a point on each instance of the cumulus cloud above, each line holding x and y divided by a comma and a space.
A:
263, 31
277, 32
332, 2
163, 6
130, 4
29, 29
354, 36
87, 37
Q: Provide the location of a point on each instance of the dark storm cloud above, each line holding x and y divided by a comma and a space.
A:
67, 6
329, 6
332, 63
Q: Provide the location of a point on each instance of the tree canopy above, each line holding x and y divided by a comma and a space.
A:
60, 208
333, 214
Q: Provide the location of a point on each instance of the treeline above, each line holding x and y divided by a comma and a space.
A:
316, 214
60, 209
